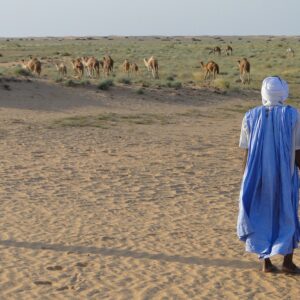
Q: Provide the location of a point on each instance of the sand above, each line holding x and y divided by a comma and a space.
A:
127, 210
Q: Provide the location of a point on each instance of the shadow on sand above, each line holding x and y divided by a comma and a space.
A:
209, 262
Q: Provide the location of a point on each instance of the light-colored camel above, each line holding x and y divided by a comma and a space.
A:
126, 66
290, 52
86, 63
152, 66
211, 68
228, 50
108, 65
92, 66
61, 69
134, 68
33, 65
78, 67
244, 66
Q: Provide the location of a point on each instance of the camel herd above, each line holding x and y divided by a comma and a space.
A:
130, 67
217, 50
92, 66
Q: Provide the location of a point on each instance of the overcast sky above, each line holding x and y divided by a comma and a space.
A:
142, 17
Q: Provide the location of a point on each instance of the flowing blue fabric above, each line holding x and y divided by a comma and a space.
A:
268, 208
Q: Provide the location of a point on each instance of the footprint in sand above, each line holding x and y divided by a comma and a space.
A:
54, 268
74, 278
62, 288
81, 264
42, 282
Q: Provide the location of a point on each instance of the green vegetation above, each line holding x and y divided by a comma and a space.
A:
178, 57
221, 84
105, 84
124, 80
174, 84
140, 91
22, 72
71, 82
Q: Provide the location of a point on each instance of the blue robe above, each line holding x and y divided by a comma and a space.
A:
268, 205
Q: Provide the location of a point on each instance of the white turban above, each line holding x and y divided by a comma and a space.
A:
274, 91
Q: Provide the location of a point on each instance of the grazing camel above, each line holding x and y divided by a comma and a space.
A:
290, 52
108, 65
33, 65
92, 65
215, 50
101, 63
134, 68
228, 50
126, 66
61, 69
152, 66
211, 68
78, 67
244, 67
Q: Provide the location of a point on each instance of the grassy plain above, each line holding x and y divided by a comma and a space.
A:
179, 58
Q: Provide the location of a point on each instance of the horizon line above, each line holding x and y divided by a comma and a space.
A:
148, 35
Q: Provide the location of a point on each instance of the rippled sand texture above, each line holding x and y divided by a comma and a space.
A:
141, 205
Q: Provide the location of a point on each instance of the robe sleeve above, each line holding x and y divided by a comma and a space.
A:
244, 137
297, 133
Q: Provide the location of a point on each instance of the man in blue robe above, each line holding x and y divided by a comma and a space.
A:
268, 206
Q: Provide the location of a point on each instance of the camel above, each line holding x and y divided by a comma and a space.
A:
61, 69
244, 67
228, 50
126, 66
33, 65
211, 68
152, 66
92, 65
290, 52
78, 67
108, 65
215, 50
134, 68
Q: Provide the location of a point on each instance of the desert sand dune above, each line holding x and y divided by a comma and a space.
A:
143, 206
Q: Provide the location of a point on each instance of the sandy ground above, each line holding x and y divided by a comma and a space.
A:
129, 211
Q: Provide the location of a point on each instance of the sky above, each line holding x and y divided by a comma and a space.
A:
23, 18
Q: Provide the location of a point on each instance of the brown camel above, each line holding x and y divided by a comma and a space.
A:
244, 67
228, 50
61, 69
78, 67
33, 65
101, 63
152, 66
108, 65
211, 68
215, 50
92, 66
126, 66
134, 68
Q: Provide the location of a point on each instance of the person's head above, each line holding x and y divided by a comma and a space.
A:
274, 91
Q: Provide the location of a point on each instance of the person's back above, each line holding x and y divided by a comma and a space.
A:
268, 219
